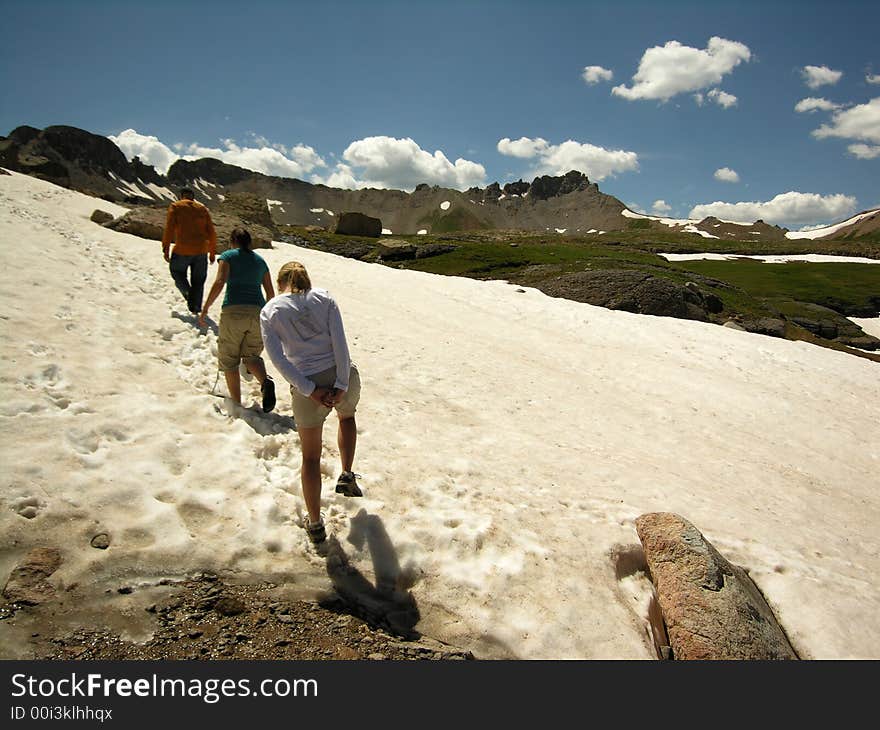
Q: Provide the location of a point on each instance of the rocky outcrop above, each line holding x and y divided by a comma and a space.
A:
28, 583
149, 222
101, 217
710, 607
632, 291
71, 157
358, 224
545, 187
142, 222
249, 208
391, 249
517, 188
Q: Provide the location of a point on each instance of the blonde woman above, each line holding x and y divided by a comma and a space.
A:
303, 335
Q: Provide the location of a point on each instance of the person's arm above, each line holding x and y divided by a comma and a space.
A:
340, 348
168, 234
289, 371
212, 239
267, 285
216, 288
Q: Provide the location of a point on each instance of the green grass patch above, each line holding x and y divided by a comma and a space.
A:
843, 287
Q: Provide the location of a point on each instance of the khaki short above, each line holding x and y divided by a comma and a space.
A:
240, 336
309, 414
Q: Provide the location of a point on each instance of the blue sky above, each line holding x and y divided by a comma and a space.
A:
773, 118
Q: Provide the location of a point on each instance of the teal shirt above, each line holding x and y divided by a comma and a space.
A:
245, 281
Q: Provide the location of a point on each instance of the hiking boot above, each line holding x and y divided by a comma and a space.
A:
268, 391
315, 530
347, 485
243, 371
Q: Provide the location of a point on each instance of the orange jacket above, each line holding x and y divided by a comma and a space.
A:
190, 226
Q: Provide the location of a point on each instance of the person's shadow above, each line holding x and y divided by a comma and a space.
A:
389, 603
193, 319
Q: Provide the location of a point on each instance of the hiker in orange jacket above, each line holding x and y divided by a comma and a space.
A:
190, 227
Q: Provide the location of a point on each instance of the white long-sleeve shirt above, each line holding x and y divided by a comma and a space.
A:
303, 335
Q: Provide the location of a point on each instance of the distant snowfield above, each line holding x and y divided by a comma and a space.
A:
508, 440
828, 230
815, 258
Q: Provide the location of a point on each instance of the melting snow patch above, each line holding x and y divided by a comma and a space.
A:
561, 230
694, 229
316, 210
386, 231
422, 232
329, 212
592, 230
445, 205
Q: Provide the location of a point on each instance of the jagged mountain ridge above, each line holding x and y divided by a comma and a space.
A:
570, 203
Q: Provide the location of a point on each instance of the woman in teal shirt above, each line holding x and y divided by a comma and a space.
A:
243, 272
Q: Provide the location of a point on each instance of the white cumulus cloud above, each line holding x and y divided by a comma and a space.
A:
660, 207
872, 78
524, 147
295, 161
864, 151
597, 163
270, 159
812, 104
671, 69
791, 208
387, 162
816, 76
860, 122
725, 174
595, 74
148, 148
722, 98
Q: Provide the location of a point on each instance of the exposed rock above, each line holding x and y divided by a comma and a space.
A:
143, 222
101, 217
492, 192
101, 541
28, 582
631, 291
392, 249
229, 607
516, 188
545, 187
149, 222
734, 325
433, 249
766, 326
711, 608
249, 208
358, 224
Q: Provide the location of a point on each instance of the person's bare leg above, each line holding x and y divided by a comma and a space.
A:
257, 368
310, 474
233, 384
346, 439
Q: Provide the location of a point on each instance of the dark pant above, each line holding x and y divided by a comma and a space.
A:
192, 288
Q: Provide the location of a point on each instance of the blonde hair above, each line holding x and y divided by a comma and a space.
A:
293, 276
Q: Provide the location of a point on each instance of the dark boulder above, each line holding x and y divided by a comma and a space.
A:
358, 224
101, 217
630, 291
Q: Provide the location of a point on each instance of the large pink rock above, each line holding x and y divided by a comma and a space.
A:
711, 608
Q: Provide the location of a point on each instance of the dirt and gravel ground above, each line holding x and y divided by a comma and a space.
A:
208, 618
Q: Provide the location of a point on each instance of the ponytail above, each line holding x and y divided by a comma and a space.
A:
294, 277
